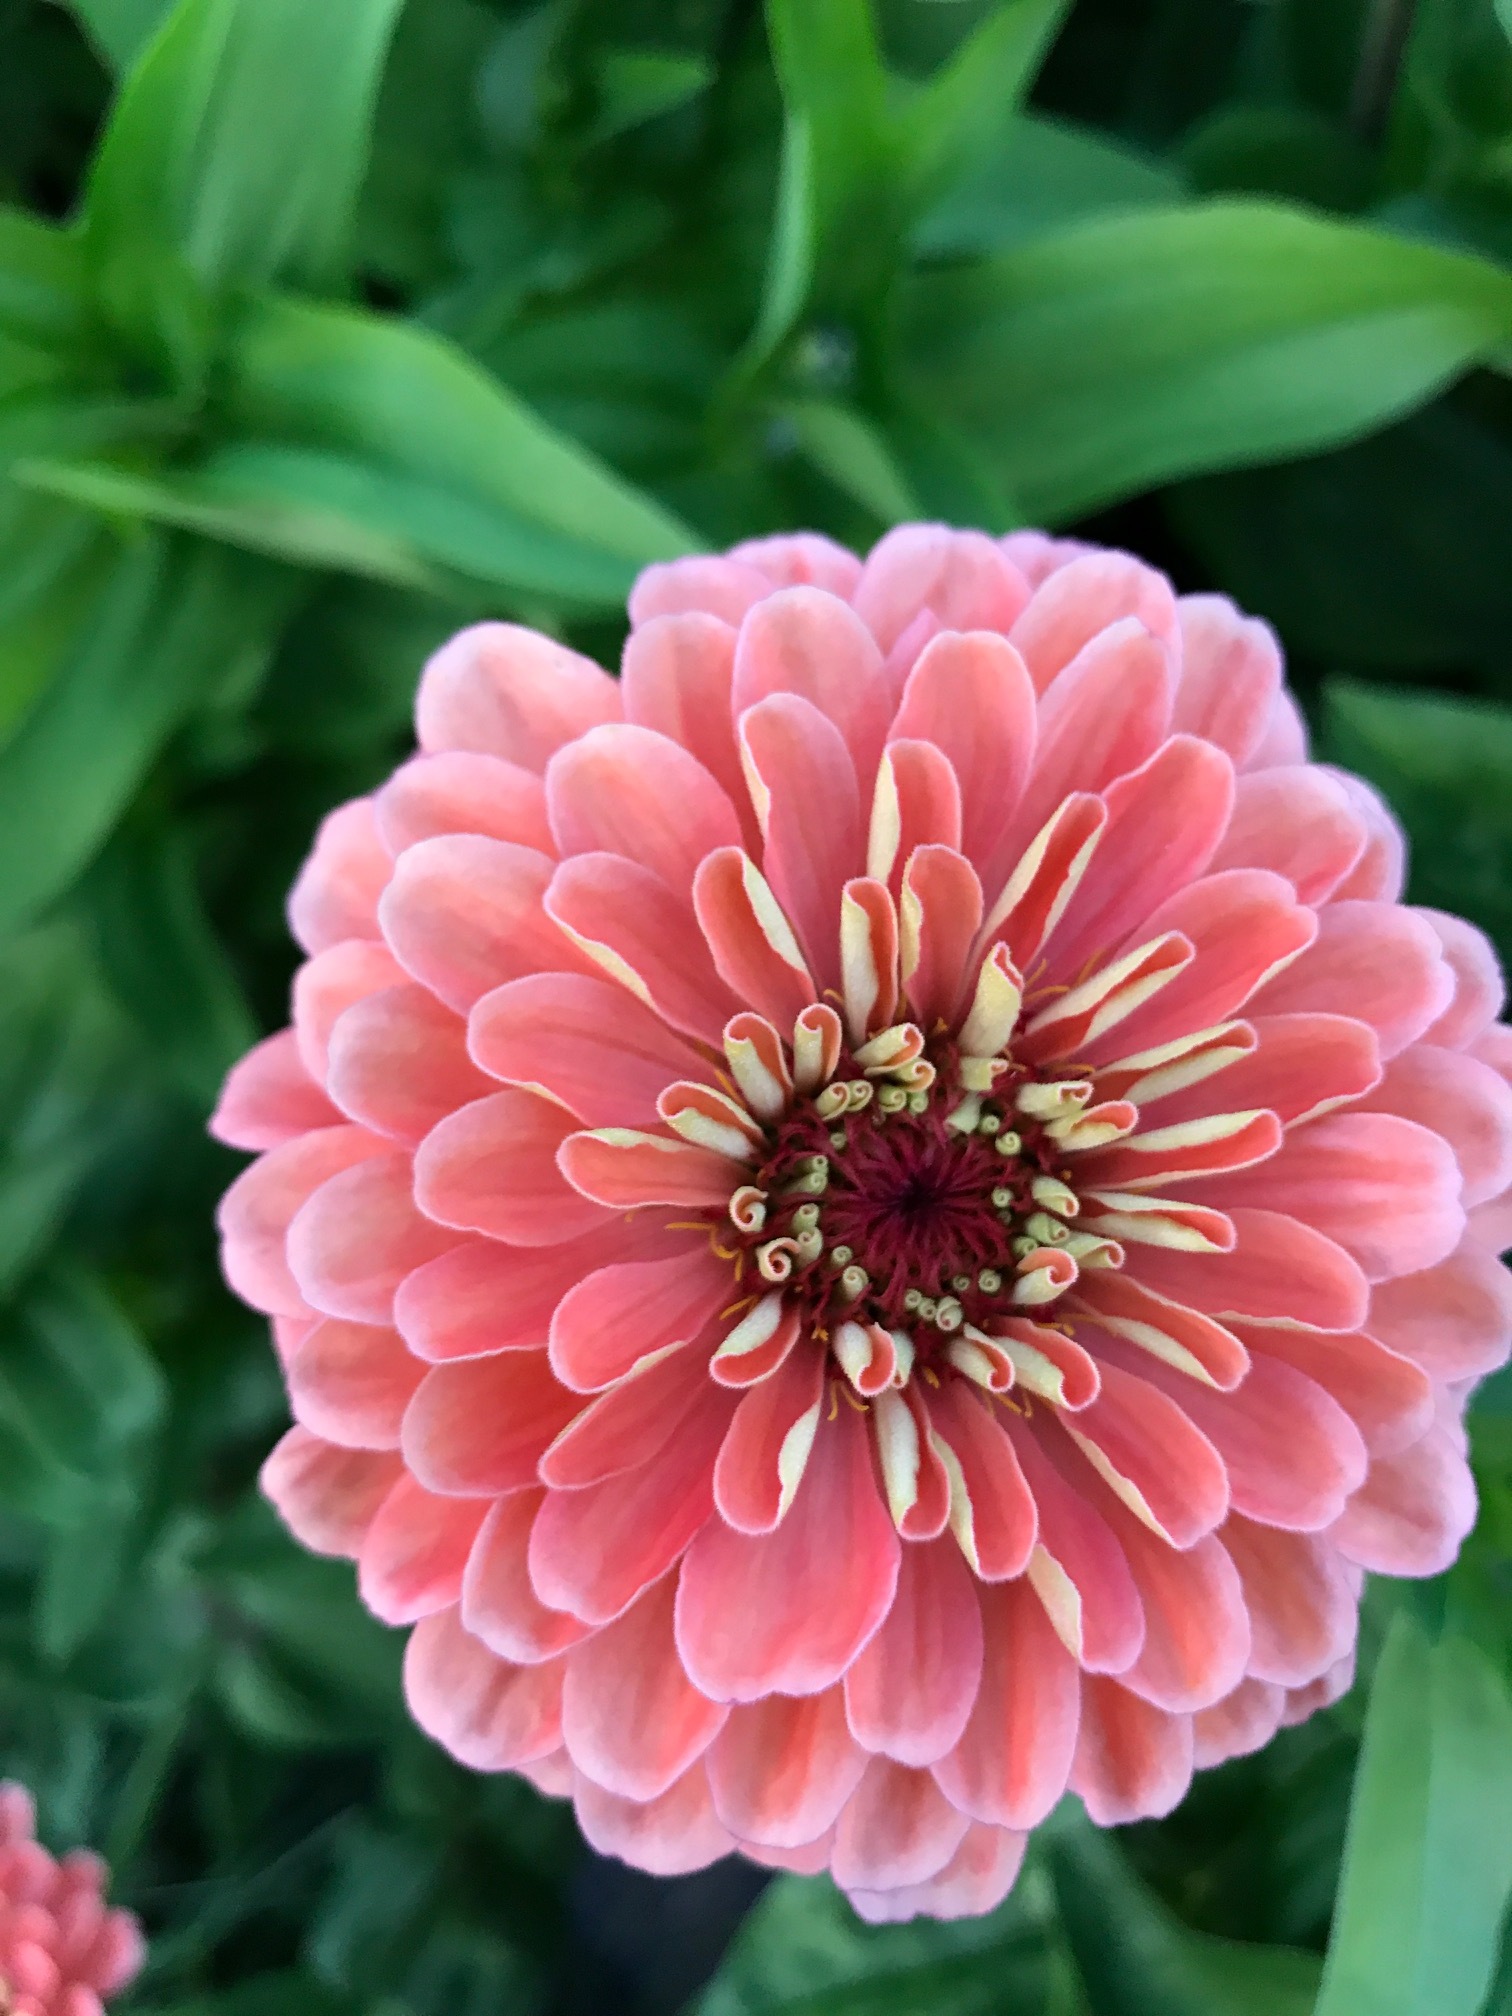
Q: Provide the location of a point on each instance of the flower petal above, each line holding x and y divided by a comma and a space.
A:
499, 1606
623, 789
1299, 821
336, 895
643, 935
770, 1439
1133, 1761
1083, 597
354, 1239
1374, 961
464, 913
1078, 1569
582, 1041
1412, 1512
630, 1719
1230, 674
910, 1692
966, 580
256, 1212
1454, 1320
669, 1836
611, 1319
1301, 1599
327, 1497
398, 1062
897, 1828
781, 1770
479, 1426
462, 791
492, 1167
351, 1383
1462, 1099
490, 1715
804, 643
415, 1552
803, 784
676, 678
787, 1612
510, 692
269, 1097
1279, 1271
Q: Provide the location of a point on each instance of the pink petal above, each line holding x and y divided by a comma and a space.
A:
1230, 675
1011, 1765
1244, 927
510, 692
1454, 1320
898, 1828
336, 895
1380, 874
480, 1426
1105, 715
327, 1497
705, 583
974, 1881
1462, 1099
1480, 992
626, 1425
808, 644
623, 789
351, 1384
492, 1167
1164, 820
1412, 1512
917, 801
1078, 1570
1280, 1271
788, 1611
1298, 821
765, 1453
797, 559
1046, 879
910, 1692
329, 984
611, 1319
1084, 597
462, 791
415, 1551
499, 1607
623, 1169
669, 1836
583, 1041
630, 1720
1301, 1599
1374, 961
967, 581
1385, 1189
646, 937
269, 1097
676, 678
355, 1238
803, 784
463, 914
398, 1062
1301, 1066
256, 1212
488, 1714
1238, 1725
483, 1297
1197, 1631
1292, 1454
1285, 740
971, 698
1173, 1334
781, 1770
941, 916
1153, 1456
991, 1511
1037, 555
593, 1551
1388, 1398
1133, 1761
1177, 1151
750, 939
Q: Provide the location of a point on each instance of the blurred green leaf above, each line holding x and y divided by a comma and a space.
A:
44, 300
1428, 1863
234, 154
408, 411
1115, 354
1043, 174
852, 452
52, 561
635, 85
1136, 1957
1444, 763
167, 624
283, 1994
120, 29
803, 1952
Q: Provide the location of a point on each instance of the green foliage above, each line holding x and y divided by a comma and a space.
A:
326, 328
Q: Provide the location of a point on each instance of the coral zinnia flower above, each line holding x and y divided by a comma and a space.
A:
62, 1953
879, 1219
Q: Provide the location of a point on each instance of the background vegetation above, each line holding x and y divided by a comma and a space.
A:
325, 328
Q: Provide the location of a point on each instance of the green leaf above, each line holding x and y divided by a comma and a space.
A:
234, 154
168, 623
1428, 1861
802, 1952
635, 85
1116, 354
408, 408
162, 961
1043, 175
838, 162
962, 117
44, 295
53, 561
851, 451
120, 29
1443, 762
77, 1389
1136, 1957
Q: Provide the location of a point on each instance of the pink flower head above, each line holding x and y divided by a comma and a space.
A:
62, 1953
880, 1218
